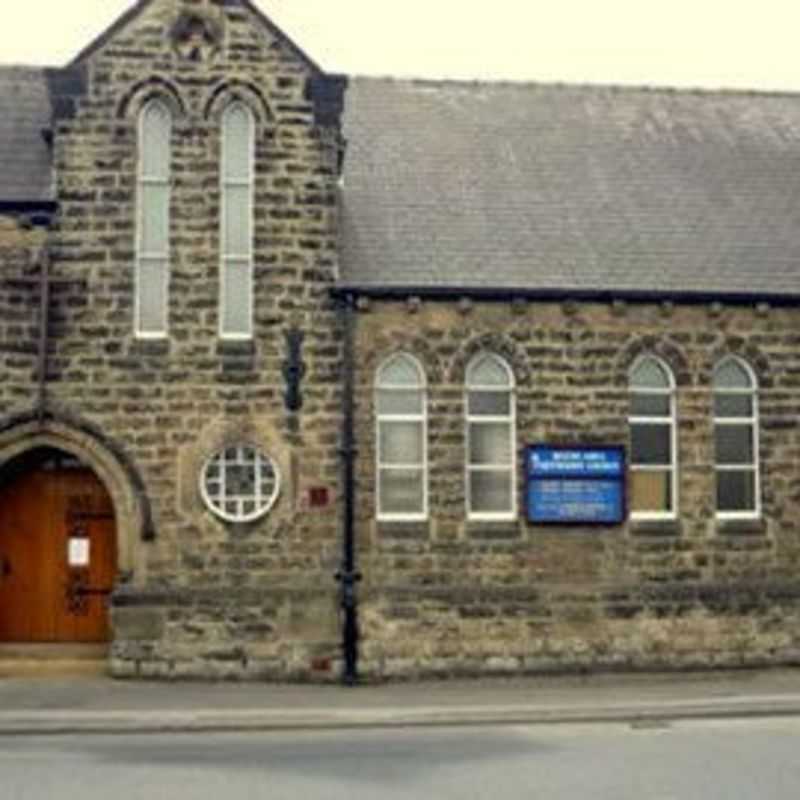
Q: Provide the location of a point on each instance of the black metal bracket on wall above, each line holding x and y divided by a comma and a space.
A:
294, 369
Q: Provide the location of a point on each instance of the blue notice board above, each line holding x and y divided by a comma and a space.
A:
575, 484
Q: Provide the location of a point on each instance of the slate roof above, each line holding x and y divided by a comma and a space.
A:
584, 188
25, 163
547, 188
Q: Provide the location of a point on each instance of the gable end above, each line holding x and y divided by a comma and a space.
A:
131, 14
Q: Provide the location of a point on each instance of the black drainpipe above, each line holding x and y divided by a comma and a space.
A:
347, 575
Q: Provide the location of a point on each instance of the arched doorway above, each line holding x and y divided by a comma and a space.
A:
58, 550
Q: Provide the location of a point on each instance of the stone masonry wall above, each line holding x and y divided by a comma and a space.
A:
20, 248
450, 596
205, 598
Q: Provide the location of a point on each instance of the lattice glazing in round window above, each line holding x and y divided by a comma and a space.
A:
240, 484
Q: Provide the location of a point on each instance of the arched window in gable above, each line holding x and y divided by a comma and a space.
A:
402, 439
653, 462
736, 439
491, 439
236, 235
152, 239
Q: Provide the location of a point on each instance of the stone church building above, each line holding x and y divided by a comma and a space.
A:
305, 375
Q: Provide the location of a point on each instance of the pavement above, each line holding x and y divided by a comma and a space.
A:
49, 705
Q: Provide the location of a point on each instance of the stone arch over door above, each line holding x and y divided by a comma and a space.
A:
131, 508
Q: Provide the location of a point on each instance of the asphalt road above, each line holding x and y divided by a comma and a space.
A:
682, 761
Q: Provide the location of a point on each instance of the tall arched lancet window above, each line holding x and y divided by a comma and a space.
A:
653, 463
236, 235
491, 439
402, 446
152, 238
736, 439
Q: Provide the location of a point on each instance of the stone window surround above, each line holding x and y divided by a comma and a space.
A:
162, 255
262, 504
729, 518
671, 421
471, 420
228, 93
227, 185
383, 419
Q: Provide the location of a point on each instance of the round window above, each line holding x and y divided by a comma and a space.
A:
240, 483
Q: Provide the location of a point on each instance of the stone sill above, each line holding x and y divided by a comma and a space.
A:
655, 527
151, 347
236, 347
509, 529
403, 529
741, 527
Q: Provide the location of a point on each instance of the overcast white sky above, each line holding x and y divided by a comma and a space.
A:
712, 43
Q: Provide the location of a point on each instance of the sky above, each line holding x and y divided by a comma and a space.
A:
704, 43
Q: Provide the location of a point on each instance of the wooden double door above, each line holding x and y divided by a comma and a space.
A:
57, 556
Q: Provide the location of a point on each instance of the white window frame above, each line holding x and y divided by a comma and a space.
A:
263, 504
510, 419
671, 420
142, 256
751, 421
225, 256
383, 418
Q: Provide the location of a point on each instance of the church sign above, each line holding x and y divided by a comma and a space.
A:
571, 485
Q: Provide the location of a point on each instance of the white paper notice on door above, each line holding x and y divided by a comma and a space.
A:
78, 552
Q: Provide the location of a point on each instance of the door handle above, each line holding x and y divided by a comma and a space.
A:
5, 567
